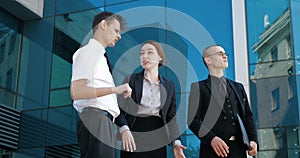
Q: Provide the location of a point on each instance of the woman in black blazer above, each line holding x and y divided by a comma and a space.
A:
148, 118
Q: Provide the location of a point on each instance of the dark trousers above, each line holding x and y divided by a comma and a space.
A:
149, 145
236, 150
95, 134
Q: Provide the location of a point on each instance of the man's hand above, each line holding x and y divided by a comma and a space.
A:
219, 146
128, 141
253, 150
178, 151
123, 89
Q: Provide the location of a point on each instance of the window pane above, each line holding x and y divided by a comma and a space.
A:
10, 42
35, 66
262, 95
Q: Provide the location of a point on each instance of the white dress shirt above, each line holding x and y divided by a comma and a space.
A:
89, 63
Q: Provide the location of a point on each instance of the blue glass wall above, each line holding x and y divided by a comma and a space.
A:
38, 86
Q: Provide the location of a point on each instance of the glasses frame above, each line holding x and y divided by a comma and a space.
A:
220, 53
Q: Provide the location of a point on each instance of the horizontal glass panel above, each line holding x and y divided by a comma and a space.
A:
278, 142
60, 97
272, 69
62, 123
68, 6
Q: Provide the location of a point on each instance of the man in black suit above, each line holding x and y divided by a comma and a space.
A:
214, 105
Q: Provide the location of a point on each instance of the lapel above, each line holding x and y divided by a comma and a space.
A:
240, 98
164, 94
138, 86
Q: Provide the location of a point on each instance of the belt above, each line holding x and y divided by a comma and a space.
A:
235, 138
106, 113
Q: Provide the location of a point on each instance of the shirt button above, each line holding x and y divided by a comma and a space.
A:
230, 111
225, 117
233, 124
232, 118
229, 105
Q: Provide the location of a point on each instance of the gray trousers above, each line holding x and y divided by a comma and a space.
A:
95, 135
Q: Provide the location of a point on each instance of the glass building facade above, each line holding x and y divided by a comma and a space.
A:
39, 37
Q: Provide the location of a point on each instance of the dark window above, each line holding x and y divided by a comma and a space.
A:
9, 79
275, 99
274, 54
2, 52
12, 43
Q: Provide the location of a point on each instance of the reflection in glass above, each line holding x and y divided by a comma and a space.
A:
274, 142
273, 50
273, 103
273, 69
9, 60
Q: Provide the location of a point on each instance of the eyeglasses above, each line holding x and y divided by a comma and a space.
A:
219, 54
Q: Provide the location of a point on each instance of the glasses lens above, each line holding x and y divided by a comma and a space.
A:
223, 54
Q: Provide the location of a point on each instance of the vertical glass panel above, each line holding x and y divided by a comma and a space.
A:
278, 142
62, 123
10, 42
295, 14
49, 8
276, 89
35, 66
29, 153
68, 6
269, 38
75, 26
69, 34
202, 31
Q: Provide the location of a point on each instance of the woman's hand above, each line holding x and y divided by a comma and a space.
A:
128, 141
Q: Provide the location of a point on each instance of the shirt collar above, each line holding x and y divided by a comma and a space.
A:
146, 78
97, 44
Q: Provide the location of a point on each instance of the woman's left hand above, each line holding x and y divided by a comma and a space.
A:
178, 151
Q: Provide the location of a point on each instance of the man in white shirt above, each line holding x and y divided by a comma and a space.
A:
93, 89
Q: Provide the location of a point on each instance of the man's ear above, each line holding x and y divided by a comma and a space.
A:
103, 24
207, 60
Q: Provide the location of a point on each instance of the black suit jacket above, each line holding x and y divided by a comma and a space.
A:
205, 107
167, 111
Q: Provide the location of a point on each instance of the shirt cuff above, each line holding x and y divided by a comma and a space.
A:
176, 143
123, 128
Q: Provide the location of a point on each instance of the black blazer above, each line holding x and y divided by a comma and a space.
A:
200, 100
129, 107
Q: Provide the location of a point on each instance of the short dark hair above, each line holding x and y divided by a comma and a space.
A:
108, 16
